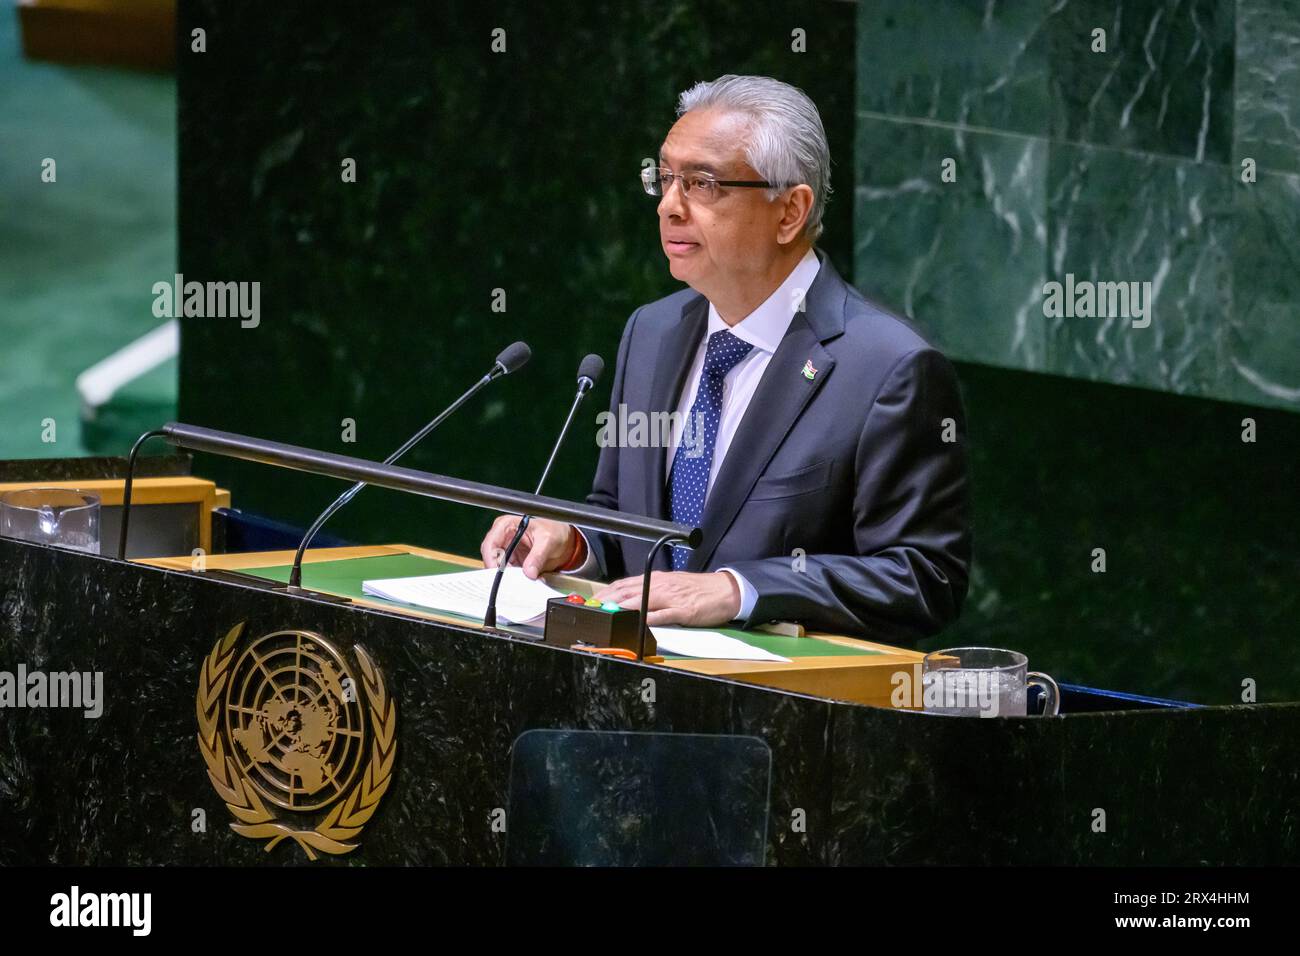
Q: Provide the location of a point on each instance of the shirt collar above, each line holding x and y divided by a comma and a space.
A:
766, 326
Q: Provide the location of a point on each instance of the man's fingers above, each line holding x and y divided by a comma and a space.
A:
618, 591
497, 539
548, 547
688, 600
634, 583
535, 557
485, 547
668, 615
626, 592
542, 548
631, 588
491, 548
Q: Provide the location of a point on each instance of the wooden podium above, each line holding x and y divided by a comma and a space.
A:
863, 675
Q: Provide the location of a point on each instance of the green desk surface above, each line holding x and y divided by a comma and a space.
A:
345, 577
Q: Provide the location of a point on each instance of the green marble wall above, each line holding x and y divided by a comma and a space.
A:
1122, 165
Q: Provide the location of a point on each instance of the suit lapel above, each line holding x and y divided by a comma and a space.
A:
782, 395
676, 352
783, 392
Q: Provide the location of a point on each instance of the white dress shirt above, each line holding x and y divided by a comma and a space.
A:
763, 328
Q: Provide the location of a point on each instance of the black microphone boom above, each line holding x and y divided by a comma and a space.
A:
419, 483
589, 372
513, 358
397, 478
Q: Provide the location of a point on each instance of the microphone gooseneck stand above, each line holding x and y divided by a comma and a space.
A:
588, 373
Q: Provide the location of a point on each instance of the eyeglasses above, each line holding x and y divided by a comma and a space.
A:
657, 181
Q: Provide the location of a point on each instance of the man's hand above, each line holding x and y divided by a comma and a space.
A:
680, 597
545, 546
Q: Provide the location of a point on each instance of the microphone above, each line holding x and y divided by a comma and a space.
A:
589, 372
512, 359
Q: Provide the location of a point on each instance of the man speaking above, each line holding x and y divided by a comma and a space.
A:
817, 440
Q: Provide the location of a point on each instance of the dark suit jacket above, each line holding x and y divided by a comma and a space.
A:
851, 467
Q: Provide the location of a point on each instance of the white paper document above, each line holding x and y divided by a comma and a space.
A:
709, 644
520, 599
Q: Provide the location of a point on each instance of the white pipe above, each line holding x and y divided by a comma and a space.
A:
101, 381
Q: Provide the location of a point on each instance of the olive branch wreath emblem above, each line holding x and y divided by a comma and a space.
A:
345, 820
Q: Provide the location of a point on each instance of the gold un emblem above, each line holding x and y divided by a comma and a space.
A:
288, 732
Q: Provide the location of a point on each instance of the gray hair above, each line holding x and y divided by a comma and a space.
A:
786, 142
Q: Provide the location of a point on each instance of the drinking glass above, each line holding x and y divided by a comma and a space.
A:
63, 517
983, 682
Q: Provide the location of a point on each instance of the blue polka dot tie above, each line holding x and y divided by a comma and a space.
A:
689, 481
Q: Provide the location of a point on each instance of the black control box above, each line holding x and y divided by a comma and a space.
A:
569, 623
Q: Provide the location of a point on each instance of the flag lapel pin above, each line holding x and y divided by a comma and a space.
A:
809, 372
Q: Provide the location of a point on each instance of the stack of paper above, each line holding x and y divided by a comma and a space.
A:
520, 599
686, 642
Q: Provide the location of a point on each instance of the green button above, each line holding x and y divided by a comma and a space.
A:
610, 606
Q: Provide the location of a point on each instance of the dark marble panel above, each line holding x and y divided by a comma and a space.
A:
947, 791
965, 259
1143, 813
880, 786
1263, 341
602, 798
1121, 217
1164, 84
970, 62
72, 469
1266, 121
1201, 534
799, 808
1029, 791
